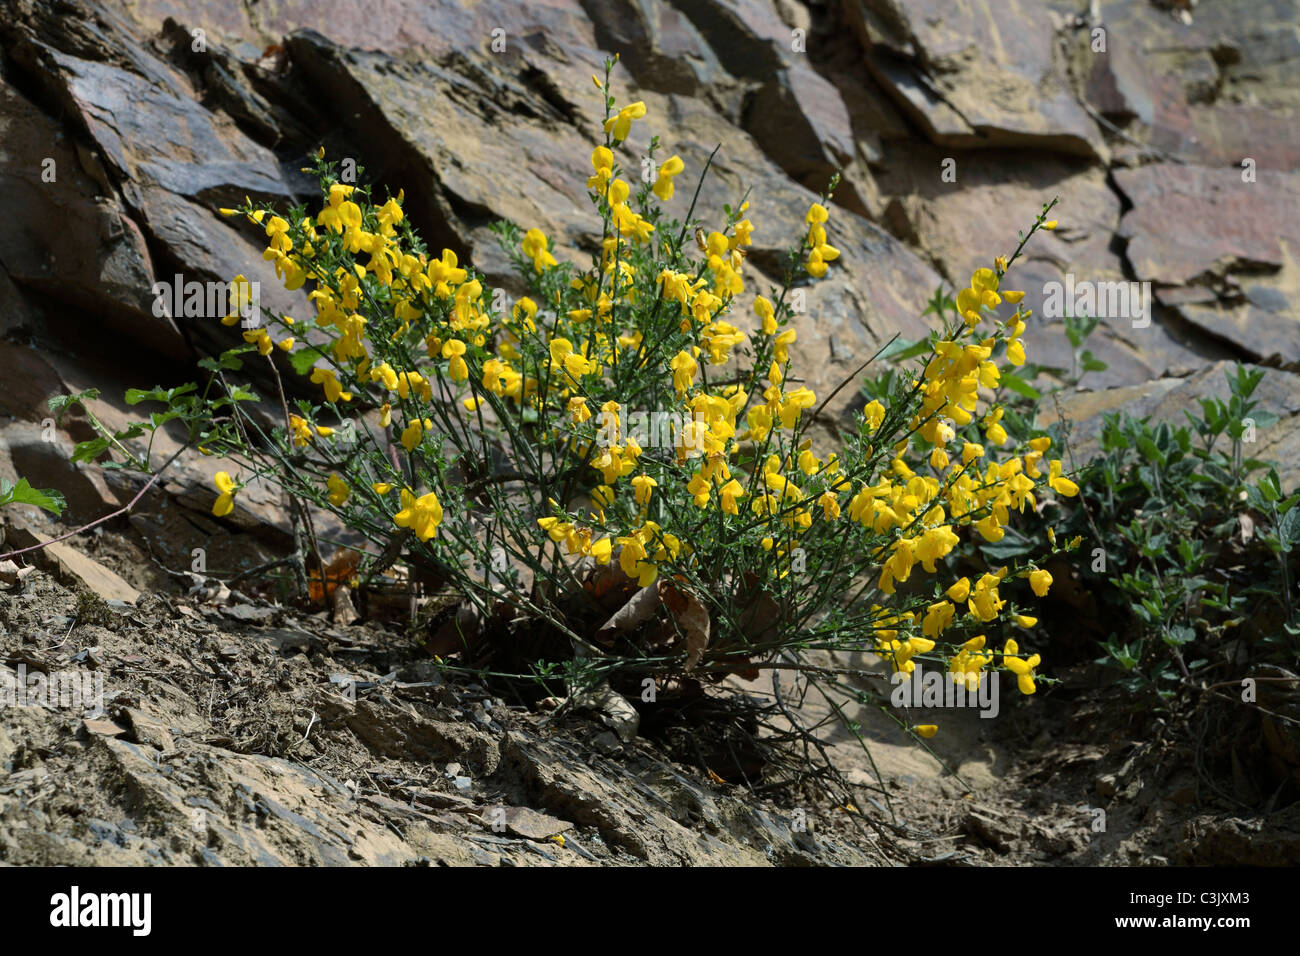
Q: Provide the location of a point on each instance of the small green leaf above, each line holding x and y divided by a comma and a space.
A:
241, 394
1018, 385
60, 403
1288, 529
900, 350
24, 494
303, 359
89, 450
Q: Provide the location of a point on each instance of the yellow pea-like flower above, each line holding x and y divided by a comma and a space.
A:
1040, 581
225, 502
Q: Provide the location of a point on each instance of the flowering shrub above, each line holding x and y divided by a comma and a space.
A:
623, 454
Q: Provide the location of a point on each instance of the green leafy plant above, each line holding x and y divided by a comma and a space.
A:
23, 493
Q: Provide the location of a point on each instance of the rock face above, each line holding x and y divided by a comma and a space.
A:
979, 73
950, 124
1212, 89
1237, 280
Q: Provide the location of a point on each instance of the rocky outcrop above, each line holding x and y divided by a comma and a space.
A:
951, 125
1220, 250
1212, 89
977, 74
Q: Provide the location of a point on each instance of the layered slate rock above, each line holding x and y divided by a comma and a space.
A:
1216, 90
103, 266
1221, 251
167, 159
159, 111
982, 73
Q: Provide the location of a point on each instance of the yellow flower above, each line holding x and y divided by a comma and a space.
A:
621, 123
1040, 581
328, 380
261, 339
225, 502
454, 351
534, 246
643, 486
985, 603
965, 667
300, 429
632, 560
968, 306
700, 489
728, 494
422, 515
1059, 483
781, 345
960, 591
934, 544
794, 404
989, 528
765, 312
830, 505
926, 730
984, 280
663, 187
338, 489
413, 433
684, 368
937, 618
578, 410
1023, 669
381, 487
602, 496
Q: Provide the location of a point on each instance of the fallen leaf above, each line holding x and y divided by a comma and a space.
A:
341, 569
1247, 528
11, 573
637, 611
693, 619
344, 611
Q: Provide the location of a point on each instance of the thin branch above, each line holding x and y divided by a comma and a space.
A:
108, 517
